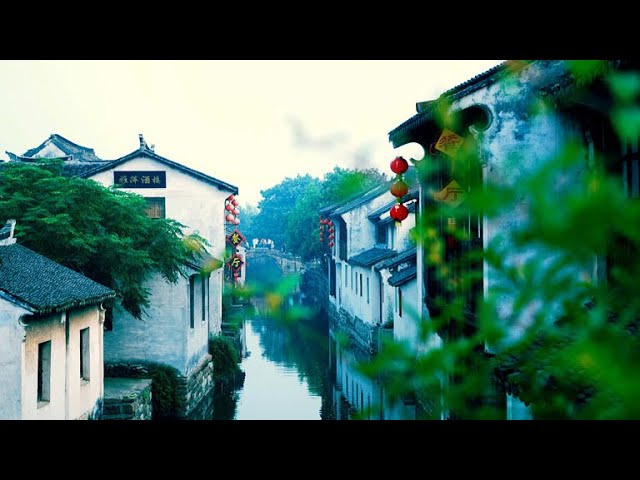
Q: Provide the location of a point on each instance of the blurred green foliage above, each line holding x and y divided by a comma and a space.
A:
557, 326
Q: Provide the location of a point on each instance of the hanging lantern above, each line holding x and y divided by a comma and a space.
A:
331, 230
399, 188
330, 223
228, 207
399, 165
331, 237
231, 198
235, 202
229, 218
330, 244
399, 212
236, 212
236, 221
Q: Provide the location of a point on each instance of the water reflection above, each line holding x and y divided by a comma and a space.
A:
299, 371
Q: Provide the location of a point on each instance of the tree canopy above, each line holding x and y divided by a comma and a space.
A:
288, 211
103, 233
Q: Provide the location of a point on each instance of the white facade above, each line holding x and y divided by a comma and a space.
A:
70, 396
195, 203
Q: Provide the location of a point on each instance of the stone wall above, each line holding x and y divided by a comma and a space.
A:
127, 399
198, 385
195, 390
361, 334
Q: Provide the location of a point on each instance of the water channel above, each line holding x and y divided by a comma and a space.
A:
296, 370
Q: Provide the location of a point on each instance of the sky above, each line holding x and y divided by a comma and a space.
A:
250, 123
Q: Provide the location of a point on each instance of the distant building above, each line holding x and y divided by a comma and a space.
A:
181, 316
361, 299
51, 337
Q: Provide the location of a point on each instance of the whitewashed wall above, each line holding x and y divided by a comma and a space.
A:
192, 202
164, 335
11, 346
47, 329
81, 394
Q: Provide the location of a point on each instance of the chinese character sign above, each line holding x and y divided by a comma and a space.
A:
235, 263
449, 142
140, 179
235, 238
452, 195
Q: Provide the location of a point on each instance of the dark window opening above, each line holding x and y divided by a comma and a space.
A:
44, 371
205, 281
85, 349
381, 234
399, 302
361, 285
192, 302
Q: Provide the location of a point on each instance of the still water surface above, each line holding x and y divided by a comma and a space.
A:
274, 387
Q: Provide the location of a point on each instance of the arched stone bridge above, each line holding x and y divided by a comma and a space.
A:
285, 263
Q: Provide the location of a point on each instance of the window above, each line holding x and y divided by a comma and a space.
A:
399, 302
192, 302
395, 298
44, 371
356, 283
85, 348
381, 234
352, 278
367, 289
205, 282
361, 285
391, 237
155, 207
346, 276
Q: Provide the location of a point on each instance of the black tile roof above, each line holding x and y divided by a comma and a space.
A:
42, 285
408, 255
371, 256
361, 199
78, 152
411, 195
410, 207
403, 133
403, 276
146, 152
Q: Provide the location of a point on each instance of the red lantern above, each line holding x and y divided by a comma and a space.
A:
236, 211
235, 202
399, 212
399, 165
236, 221
331, 237
228, 207
229, 218
330, 223
230, 198
331, 230
399, 188
330, 244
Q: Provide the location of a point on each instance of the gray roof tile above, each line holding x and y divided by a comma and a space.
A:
42, 285
403, 276
371, 256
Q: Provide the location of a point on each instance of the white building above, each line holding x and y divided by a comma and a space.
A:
361, 299
51, 337
182, 316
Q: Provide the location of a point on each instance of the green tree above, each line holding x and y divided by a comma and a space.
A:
276, 206
103, 233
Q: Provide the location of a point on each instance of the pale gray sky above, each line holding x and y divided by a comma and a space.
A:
234, 120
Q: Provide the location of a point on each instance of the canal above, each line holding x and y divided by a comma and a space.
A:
297, 370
